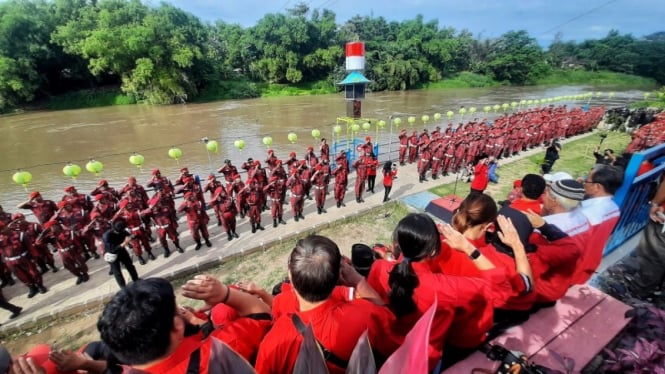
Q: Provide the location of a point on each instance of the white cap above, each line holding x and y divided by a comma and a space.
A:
560, 175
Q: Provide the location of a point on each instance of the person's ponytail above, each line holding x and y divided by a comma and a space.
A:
402, 281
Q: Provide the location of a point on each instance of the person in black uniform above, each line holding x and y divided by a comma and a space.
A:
115, 253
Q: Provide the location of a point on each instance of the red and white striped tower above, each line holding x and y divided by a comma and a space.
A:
355, 56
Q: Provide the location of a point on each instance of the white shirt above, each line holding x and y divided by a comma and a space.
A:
600, 209
572, 222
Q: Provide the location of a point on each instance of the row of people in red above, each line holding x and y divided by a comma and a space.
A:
449, 150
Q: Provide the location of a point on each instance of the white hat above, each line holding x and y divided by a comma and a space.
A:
560, 175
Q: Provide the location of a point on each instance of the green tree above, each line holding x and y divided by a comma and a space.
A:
517, 58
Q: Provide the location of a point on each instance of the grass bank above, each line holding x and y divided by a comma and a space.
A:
265, 268
89, 99
576, 158
243, 89
596, 78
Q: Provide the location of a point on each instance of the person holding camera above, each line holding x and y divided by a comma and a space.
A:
551, 155
115, 253
389, 174
480, 175
606, 158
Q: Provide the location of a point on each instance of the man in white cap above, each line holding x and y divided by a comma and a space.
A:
559, 175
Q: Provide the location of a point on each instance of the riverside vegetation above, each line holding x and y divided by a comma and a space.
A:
77, 53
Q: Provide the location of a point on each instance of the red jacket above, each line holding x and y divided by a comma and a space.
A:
480, 177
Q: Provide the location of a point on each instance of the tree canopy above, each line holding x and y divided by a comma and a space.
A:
159, 53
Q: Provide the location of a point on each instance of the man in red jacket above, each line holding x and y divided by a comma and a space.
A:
197, 218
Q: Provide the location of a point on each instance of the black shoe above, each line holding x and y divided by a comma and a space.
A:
33, 291
318, 210
198, 246
151, 256
79, 280
229, 236
253, 228
258, 226
435, 177
358, 200
87, 255
167, 253
110, 271
16, 312
301, 216
361, 200
282, 221
95, 255
323, 210
180, 248
43, 269
339, 204
219, 223
296, 218
42, 289
141, 260
235, 235
85, 277
309, 197
274, 223
343, 203
208, 244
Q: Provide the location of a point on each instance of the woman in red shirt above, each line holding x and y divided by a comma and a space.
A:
372, 165
389, 173
480, 176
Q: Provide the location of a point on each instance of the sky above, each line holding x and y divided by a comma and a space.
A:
575, 19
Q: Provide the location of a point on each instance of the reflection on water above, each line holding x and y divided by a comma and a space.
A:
43, 142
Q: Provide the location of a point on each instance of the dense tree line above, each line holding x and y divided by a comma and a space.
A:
161, 53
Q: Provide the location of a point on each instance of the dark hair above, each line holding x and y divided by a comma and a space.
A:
387, 166
119, 225
474, 210
533, 185
608, 176
136, 324
416, 237
314, 265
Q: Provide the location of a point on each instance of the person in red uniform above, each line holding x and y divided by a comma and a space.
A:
42, 209
361, 176
103, 207
159, 211
184, 175
271, 161
274, 191
318, 180
372, 166
238, 187
424, 162
324, 149
297, 192
132, 215
248, 166
96, 228
292, 162
212, 186
448, 156
16, 255
413, 147
39, 253
480, 175
69, 248
261, 178
78, 201
189, 184
403, 146
389, 174
341, 174
74, 219
315, 268
197, 219
226, 209
132, 185
103, 188
228, 170
437, 157
160, 183
254, 200
464, 304
533, 187
158, 336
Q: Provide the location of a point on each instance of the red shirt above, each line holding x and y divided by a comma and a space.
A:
452, 262
553, 266
464, 311
388, 177
337, 326
243, 335
287, 302
524, 205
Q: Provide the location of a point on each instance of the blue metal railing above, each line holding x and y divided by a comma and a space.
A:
633, 196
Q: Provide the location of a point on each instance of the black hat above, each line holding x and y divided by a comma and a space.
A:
362, 258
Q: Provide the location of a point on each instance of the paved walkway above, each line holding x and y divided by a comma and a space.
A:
65, 298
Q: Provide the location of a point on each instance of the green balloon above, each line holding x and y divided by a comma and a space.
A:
397, 121
381, 124
355, 127
175, 153
293, 137
437, 116
316, 133
136, 160
425, 118
212, 146
267, 141
411, 120
337, 129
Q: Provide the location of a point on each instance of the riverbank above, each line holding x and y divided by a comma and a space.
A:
244, 89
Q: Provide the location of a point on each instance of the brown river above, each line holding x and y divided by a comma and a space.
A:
43, 142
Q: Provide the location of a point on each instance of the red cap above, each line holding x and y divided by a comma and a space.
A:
16, 216
39, 355
131, 180
50, 224
270, 151
70, 189
99, 196
257, 163
292, 154
278, 162
368, 138
184, 170
517, 183
211, 176
34, 194
102, 182
155, 171
310, 148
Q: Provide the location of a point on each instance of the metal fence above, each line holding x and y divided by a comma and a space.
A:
634, 195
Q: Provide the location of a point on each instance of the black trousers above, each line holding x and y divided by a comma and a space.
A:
386, 192
4, 304
371, 179
124, 259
